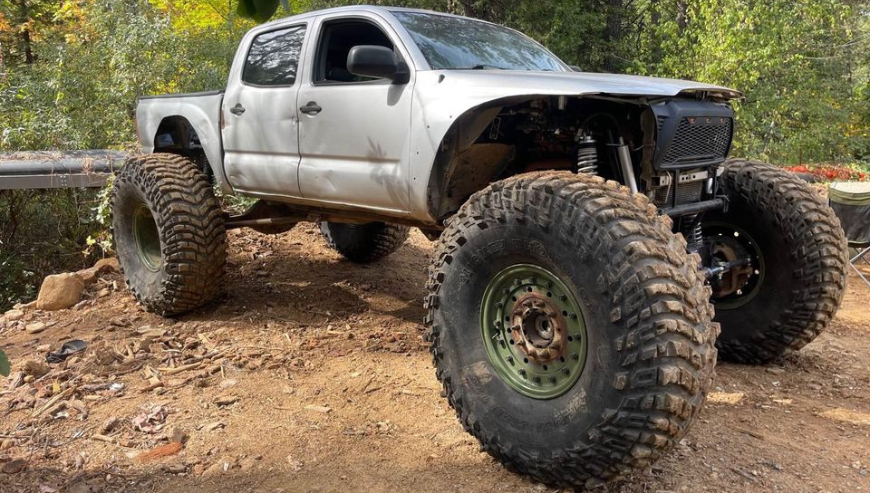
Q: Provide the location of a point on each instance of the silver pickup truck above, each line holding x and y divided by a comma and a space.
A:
587, 224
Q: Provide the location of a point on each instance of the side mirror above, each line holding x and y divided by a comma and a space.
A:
575, 68
376, 61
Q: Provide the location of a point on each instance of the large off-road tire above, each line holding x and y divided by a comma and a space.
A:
169, 233
363, 243
570, 329
799, 262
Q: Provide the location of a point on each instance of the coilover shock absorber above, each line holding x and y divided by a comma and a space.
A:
587, 154
690, 227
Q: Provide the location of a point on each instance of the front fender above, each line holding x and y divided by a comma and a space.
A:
441, 98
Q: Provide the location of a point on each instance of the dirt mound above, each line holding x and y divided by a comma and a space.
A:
311, 374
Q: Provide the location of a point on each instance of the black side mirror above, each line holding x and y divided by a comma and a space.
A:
376, 61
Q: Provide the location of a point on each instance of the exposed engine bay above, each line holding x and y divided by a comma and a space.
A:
669, 150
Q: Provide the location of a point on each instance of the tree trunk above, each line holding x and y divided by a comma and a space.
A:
28, 49
613, 35
682, 15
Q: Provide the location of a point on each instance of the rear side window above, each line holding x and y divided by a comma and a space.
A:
273, 58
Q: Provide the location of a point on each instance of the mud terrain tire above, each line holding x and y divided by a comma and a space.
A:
169, 233
804, 260
364, 243
649, 341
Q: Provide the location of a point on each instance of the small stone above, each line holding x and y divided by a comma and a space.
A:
109, 424
225, 384
7, 444
13, 315
775, 370
247, 464
214, 426
35, 328
107, 265
14, 466
198, 469
214, 469
226, 400
319, 409
103, 293
176, 468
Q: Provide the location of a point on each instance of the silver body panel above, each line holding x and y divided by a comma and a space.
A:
202, 111
373, 146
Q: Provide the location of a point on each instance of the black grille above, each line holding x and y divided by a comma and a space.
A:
700, 139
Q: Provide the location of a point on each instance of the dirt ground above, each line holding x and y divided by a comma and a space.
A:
311, 375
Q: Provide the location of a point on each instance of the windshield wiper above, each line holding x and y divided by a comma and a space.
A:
479, 67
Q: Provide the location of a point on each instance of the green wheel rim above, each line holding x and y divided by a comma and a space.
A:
147, 238
534, 331
747, 242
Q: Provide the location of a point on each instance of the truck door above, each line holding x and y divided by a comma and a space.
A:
261, 134
354, 132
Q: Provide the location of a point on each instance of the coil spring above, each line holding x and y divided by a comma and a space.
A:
692, 231
587, 156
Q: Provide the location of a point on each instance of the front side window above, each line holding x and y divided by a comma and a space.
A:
336, 42
273, 58
450, 42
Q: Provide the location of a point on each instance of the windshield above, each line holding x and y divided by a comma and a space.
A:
461, 43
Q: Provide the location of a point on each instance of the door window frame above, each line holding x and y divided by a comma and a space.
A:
299, 64
386, 27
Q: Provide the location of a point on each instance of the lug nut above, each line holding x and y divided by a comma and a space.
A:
575, 357
510, 359
522, 372
566, 371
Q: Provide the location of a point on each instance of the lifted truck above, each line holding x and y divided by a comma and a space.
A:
587, 224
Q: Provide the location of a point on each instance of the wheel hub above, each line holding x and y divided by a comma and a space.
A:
737, 257
147, 238
534, 331
726, 250
538, 328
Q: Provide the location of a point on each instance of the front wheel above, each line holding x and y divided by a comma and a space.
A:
569, 327
794, 262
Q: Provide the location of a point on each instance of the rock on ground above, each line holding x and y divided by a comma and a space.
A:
60, 291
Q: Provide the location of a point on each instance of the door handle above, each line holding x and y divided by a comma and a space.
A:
238, 109
311, 108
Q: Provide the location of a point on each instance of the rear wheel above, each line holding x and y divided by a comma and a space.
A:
569, 327
794, 271
169, 233
363, 243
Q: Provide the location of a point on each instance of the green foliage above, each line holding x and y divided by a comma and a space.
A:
82, 93
102, 214
794, 60
41, 233
4, 364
